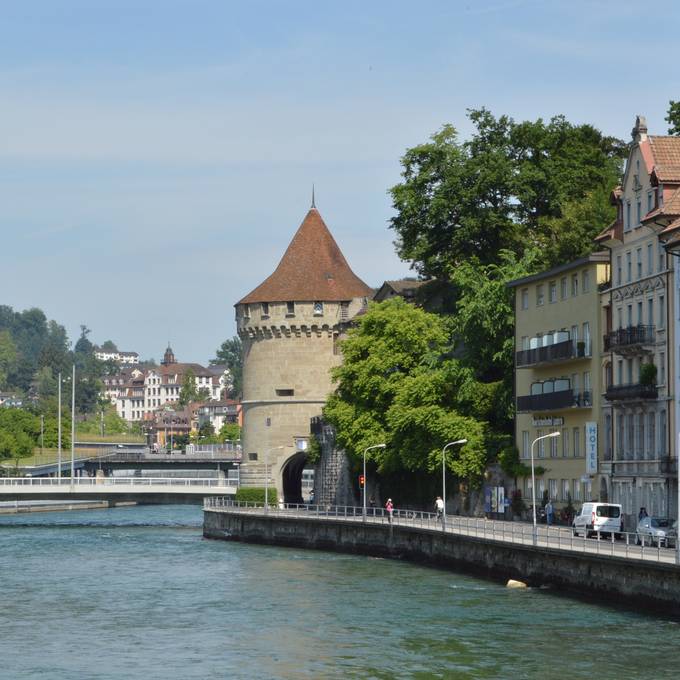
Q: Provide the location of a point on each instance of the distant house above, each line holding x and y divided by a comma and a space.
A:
217, 413
10, 400
405, 288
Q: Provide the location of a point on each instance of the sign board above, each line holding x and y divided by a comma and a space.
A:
547, 422
591, 448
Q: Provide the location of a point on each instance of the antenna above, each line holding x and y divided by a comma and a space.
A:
313, 202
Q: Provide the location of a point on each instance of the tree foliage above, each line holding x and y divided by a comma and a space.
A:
188, 391
230, 354
504, 188
396, 387
673, 118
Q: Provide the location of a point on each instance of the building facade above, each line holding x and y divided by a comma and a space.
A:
290, 326
557, 377
639, 462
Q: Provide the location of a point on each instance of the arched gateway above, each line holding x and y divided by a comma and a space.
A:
289, 326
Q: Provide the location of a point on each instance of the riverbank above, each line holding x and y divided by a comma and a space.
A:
17, 507
632, 583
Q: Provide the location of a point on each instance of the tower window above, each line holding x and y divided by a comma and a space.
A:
290, 308
318, 308
285, 392
265, 309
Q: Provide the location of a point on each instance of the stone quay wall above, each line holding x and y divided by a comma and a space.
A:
631, 583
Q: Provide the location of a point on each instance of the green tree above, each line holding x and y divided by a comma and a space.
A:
8, 357
188, 391
502, 189
230, 354
108, 346
395, 387
673, 118
230, 431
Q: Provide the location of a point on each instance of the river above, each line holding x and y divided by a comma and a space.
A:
137, 592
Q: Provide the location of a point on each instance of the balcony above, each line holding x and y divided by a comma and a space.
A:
630, 340
631, 392
554, 401
559, 351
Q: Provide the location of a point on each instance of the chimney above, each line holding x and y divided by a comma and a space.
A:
639, 132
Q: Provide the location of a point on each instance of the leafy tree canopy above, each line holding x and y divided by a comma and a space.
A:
504, 188
395, 387
673, 118
108, 346
188, 391
230, 355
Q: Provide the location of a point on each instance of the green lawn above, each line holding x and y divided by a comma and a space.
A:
122, 438
51, 456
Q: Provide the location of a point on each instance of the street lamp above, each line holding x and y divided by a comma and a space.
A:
375, 446
533, 478
458, 441
266, 476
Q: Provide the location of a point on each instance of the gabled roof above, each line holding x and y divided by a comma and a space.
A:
665, 150
312, 268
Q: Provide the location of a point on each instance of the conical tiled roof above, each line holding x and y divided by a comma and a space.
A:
312, 268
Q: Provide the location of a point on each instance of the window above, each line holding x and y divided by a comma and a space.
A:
638, 253
618, 270
574, 338
650, 258
662, 311
662, 432
525, 342
662, 368
651, 435
650, 311
585, 281
586, 338
265, 309
539, 295
662, 257
566, 490
552, 489
565, 443
577, 442
629, 315
287, 392
639, 313
525, 298
619, 317
563, 287
650, 201
541, 444
629, 371
552, 291
576, 485
626, 224
553, 447
638, 213
574, 285
290, 308
629, 266
630, 432
586, 387
525, 444
318, 308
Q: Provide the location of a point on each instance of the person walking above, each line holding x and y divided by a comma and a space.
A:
390, 509
549, 513
439, 507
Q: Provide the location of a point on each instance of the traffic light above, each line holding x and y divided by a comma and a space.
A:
362, 481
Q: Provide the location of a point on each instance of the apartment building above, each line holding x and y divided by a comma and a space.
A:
558, 377
639, 465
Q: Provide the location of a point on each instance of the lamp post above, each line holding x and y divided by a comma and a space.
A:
458, 441
533, 479
368, 448
266, 476
59, 429
73, 425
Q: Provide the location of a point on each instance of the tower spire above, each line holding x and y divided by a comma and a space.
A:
313, 202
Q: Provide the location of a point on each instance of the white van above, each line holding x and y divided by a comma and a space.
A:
603, 517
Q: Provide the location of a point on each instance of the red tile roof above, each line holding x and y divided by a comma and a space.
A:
312, 268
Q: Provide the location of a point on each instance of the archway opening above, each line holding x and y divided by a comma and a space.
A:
291, 474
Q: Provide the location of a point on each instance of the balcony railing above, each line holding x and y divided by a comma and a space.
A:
631, 391
552, 401
629, 338
558, 351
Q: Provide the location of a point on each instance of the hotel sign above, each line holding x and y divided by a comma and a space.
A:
591, 448
547, 422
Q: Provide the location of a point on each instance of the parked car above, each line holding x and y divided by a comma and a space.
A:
603, 517
657, 531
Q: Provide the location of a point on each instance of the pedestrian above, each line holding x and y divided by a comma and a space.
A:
439, 507
311, 497
549, 513
390, 509
642, 514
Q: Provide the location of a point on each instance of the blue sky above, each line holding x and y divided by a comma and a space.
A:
157, 157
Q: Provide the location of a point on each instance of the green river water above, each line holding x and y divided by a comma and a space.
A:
137, 592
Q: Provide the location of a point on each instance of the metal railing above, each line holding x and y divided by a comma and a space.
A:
549, 401
629, 337
631, 391
29, 482
558, 351
621, 545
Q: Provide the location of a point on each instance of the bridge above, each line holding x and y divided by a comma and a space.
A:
130, 489
601, 568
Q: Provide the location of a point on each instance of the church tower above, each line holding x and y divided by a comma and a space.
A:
289, 326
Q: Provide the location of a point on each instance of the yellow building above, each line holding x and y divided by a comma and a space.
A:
558, 377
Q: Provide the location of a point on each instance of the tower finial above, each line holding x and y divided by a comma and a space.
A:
313, 203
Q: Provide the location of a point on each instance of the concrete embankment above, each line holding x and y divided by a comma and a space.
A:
632, 583
14, 508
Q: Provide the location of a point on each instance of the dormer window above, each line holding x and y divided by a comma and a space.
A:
318, 308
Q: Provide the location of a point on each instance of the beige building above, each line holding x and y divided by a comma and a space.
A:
557, 377
290, 325
640, 465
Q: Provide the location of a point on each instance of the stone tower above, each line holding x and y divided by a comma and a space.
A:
289, 326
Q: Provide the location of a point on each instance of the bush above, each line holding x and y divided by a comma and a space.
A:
256, 495
648, 374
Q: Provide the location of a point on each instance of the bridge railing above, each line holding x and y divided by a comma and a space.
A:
624, 545
32, 482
